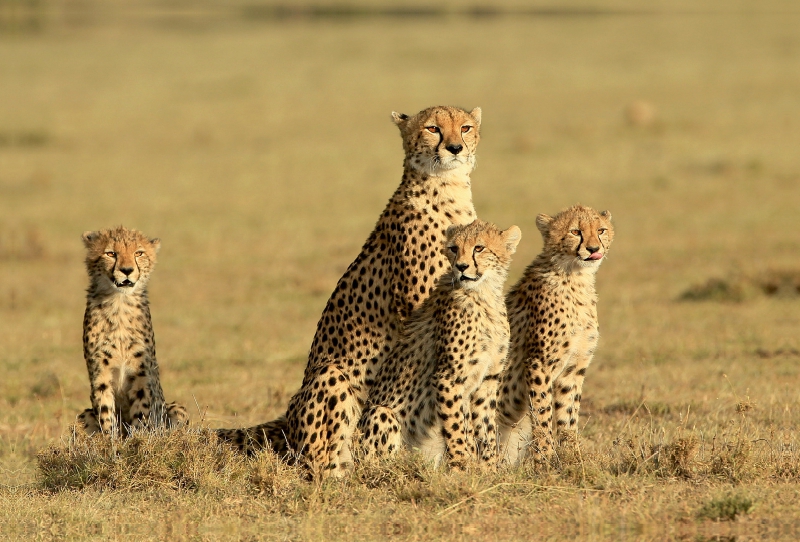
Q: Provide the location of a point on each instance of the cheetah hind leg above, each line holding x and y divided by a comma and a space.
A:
322, 423
89, 422
380, 432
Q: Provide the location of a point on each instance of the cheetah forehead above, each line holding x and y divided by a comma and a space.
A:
121, 240
483, 233
444, 116
577, 216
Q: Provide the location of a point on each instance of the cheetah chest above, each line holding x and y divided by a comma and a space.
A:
583, 331
120, 341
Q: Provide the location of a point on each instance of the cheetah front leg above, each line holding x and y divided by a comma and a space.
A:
89, 422
483, 413
103, 400
380, 432
452, 410
146, 401
567, 398
540, 395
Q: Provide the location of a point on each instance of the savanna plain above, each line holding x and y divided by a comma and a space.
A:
256, 143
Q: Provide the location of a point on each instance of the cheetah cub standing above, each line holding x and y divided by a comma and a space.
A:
118, 342
438, 392
552, 312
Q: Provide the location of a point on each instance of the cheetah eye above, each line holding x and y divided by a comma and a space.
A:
139, 253
601, 231
453, 249
465, 129
111, 254
479, 248
576, 233
432, 129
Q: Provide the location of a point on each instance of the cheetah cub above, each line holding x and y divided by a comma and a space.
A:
438, 393
118, 342
552, 312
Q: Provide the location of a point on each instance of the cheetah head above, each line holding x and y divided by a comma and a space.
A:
578, 237
440, 139
480, 252
120, 259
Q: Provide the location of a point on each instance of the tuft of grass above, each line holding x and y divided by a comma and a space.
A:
716, 289
678, 458
780, 283
183, 459
773, 283
732, 461
726, 508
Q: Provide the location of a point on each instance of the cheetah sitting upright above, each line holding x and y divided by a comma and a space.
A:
437, 391
552, 312
118, 342
394, 273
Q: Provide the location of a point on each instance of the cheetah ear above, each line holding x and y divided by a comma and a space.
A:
89, 237
512, 236
606, 214
399, 119
156, 242
476, 114
543, 222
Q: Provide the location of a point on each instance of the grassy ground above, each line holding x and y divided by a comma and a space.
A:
262, 153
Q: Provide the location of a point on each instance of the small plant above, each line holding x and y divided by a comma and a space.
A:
732, 460
726, 508
678, 457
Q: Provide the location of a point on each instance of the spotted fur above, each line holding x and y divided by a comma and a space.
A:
394, 273
118, 341
438, 391
552, 312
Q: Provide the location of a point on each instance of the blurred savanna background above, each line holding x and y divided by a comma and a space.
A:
254, 139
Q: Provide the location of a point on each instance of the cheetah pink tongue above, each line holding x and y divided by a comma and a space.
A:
595, 256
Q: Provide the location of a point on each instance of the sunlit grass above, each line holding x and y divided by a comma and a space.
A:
261, 154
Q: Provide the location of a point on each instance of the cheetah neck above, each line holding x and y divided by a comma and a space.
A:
448, 192
564, 273
112, 302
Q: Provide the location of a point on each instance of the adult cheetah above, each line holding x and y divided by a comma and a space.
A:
552, 312
394, 273
118, 341
437, 391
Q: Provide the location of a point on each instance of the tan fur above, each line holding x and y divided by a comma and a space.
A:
118, 342
552, 312
437, 392
394, 273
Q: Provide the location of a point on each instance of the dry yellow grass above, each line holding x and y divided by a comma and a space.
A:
261, 153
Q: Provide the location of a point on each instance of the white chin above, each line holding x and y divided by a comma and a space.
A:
432, 167
472, 284
589, 263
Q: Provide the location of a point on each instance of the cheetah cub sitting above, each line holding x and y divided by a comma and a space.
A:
439, 392
552, 312
118, 342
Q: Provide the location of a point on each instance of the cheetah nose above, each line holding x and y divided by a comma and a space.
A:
454, 148
126, 270
462, 266
592, 250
